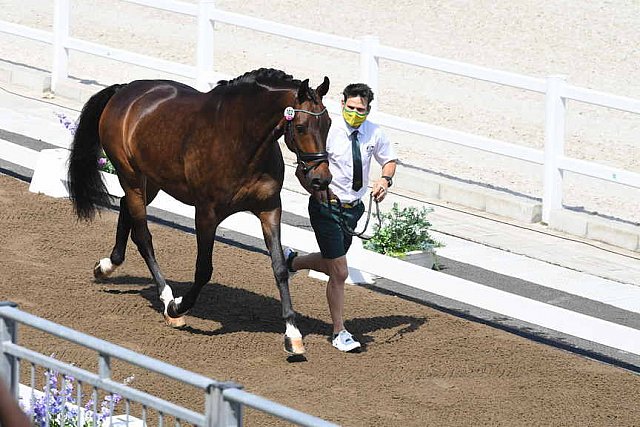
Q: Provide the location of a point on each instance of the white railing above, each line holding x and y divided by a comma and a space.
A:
224, 402
555, 88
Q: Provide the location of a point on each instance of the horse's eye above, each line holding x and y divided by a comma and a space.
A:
301, 128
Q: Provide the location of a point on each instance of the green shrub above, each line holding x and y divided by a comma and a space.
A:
403, 230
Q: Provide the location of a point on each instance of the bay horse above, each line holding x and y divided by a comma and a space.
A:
217, 151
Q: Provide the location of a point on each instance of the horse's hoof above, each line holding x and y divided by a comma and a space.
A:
175, 322
97, 271
103, 268
172, 310
294, 346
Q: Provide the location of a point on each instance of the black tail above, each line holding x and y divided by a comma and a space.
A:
86, 189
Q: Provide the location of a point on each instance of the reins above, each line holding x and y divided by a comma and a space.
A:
345, 227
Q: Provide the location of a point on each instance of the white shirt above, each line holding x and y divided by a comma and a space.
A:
373, 143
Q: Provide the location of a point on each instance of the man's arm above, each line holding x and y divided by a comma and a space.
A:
380, 186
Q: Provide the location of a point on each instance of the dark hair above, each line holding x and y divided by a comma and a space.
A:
261, 75
358, 89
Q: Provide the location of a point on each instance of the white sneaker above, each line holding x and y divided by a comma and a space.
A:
344, 341
289, 255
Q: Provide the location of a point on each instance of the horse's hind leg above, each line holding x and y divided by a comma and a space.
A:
270, 221
141, 236
206, 225
106, 266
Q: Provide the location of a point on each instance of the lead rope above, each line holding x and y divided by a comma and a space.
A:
345, 227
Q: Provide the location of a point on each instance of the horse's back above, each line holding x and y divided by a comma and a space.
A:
192, 145
144, 129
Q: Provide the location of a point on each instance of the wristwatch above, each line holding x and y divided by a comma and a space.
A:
389, 180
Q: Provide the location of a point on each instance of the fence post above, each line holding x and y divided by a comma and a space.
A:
369, 62
204, 48
555, 109
219, 412
9, 371
104, 366
60, 67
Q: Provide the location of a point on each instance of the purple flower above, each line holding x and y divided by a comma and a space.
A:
102, 161
67, 123
62, 405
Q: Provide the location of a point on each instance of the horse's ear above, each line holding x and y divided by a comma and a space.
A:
303, 91
323, 88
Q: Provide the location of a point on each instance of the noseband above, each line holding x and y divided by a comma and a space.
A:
308, 161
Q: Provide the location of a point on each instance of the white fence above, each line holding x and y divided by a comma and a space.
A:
555, 89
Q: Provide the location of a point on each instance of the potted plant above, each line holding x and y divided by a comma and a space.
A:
404, 233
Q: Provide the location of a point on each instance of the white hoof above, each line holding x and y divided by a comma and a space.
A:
104, 268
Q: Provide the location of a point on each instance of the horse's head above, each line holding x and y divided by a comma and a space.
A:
306, 130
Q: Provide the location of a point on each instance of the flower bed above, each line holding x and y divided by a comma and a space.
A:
58, 406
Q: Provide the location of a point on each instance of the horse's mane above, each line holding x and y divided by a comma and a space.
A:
265, 76
268, 78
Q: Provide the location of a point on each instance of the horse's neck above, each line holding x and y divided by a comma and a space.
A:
267, 130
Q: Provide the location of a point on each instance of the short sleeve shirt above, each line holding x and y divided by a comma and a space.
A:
373, 143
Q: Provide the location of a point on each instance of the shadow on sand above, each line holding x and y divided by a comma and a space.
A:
240, 310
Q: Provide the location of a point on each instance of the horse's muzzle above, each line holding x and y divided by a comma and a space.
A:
319, 184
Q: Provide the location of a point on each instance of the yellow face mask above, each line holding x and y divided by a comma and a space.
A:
353, 118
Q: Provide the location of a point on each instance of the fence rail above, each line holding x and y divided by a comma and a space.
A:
555, 89
224, 401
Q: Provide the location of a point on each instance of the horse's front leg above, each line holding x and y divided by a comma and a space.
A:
270, 221
206, 225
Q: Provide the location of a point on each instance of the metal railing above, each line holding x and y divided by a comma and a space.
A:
557, 92
224, 402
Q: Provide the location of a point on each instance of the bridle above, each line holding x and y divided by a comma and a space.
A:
303, 159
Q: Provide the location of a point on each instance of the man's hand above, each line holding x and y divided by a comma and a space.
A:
379, 189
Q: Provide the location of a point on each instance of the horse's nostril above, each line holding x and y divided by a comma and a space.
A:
320, 183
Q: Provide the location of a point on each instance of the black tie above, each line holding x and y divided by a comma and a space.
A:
357, 161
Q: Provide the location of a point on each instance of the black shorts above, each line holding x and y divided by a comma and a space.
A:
333, 241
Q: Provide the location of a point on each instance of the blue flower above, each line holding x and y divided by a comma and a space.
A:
60, 405
67, 123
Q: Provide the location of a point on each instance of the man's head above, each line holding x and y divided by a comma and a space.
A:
356, 103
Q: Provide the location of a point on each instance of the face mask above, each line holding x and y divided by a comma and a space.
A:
353, 118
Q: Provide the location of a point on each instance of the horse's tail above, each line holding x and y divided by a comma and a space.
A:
86, 189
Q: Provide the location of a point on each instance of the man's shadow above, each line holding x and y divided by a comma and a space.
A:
240, 310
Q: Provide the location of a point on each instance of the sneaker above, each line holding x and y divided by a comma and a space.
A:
344, 341
289, 255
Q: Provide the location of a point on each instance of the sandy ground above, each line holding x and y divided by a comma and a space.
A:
594, 43
420, 366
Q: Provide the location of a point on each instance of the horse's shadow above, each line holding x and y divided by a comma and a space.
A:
240, 310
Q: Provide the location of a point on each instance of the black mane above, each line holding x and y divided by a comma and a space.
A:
268, 76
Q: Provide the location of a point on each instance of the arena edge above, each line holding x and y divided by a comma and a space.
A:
625, 236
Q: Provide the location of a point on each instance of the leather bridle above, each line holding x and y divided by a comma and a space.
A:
307, 161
